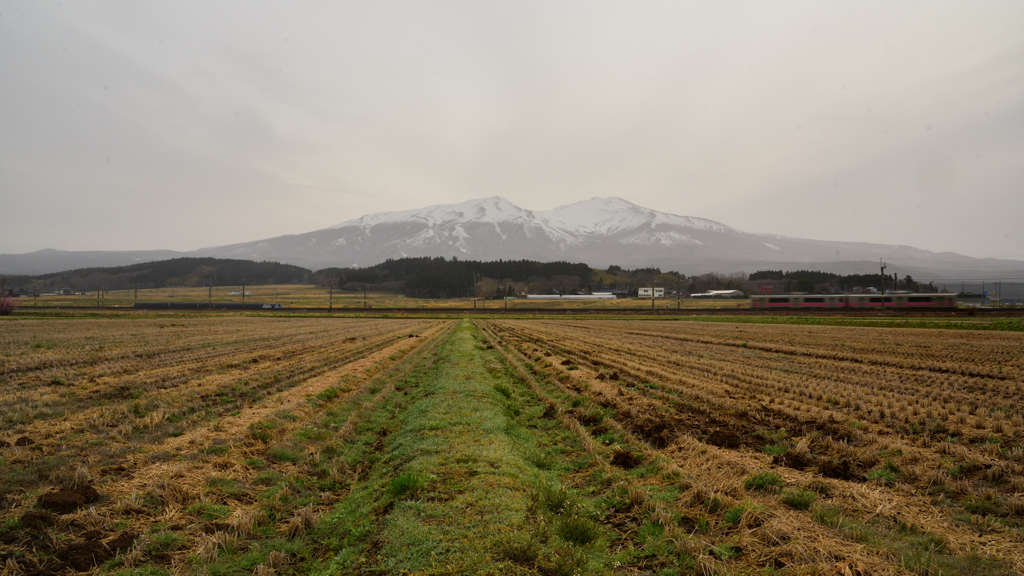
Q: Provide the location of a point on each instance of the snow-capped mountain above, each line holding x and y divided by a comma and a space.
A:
599, 231
491, 228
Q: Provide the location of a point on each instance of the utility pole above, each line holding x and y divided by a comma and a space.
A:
136, 293
882, 277
243, 295
506, 296
97, 296
364, 295
210, 294
678, 285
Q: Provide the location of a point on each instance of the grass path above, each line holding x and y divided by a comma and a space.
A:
467, 478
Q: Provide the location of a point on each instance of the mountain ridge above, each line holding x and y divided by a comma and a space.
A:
600, 231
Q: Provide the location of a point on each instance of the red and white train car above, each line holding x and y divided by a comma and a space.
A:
861, 301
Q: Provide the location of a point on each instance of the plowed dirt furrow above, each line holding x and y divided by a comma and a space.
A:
817, 389
283, 367
726, 465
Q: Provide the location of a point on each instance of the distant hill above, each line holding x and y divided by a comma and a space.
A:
49, 261
599, 231
166, 273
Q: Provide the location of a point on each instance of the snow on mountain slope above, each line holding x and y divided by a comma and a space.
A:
452, 218
490, 210
570, 223
611, 215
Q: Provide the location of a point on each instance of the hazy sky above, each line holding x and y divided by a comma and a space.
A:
139, 125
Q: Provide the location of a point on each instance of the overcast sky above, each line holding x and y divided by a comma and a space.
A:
141, 125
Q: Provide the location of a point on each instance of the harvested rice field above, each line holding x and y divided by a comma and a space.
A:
238, 445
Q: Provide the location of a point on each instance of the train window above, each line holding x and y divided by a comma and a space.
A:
778, 300
920, 299
814, 300
875, 300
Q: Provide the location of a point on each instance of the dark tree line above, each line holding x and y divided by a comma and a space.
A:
166, 273
428, 277
817, 281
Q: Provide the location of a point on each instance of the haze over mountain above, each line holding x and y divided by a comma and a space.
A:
599, 231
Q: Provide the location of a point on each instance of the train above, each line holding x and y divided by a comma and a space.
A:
857, 301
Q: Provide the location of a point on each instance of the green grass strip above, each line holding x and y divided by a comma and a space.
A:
458, 480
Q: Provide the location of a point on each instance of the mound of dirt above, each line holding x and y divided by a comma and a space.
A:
626, 459
841, 469
214, 527
64, 501
24, 441
659, 432
687, 524
83, 556
30, 568
795, 460
585, 418
4, 444
121, 542
725, 439
36, 519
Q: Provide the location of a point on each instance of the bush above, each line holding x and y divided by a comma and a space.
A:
7, 305
800, 499
763, 481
